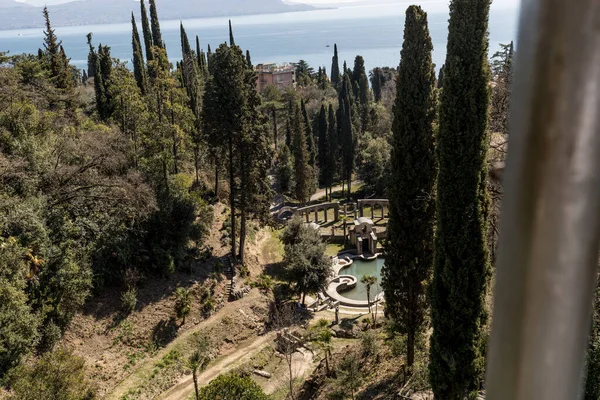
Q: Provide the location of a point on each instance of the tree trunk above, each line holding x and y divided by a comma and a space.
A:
343, 183
175, 153
369, 300
243, 203
303, 298
195, 376
349, 186
217, 179
232, 197
196, 155
410, 348
289, 360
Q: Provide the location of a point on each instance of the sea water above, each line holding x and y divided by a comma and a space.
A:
374, 32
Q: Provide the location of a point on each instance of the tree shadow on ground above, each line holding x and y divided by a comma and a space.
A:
107, 304
275, 270
164, 332
388, 387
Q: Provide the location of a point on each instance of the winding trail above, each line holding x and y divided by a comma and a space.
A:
223, 364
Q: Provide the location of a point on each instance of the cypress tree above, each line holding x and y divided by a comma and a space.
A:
249, 60
139, 69
148, 40
190, 72
302, 171
288, 134
357, 73
323, 131
201, 60
377, 83
346, 137
310, 140
409, 245
84, 77
335, 67
461, 266
440, 81
91, 72
333, 149
209, 63
154, 23
231, 39
104, 101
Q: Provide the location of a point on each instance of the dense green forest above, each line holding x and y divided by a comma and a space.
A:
109, 177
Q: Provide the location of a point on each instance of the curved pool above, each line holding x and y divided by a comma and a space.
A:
358, 269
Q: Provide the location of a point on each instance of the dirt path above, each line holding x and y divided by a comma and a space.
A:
321, 192
144, 369
225, 364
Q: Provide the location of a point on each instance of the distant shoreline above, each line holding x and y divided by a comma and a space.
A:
6, 25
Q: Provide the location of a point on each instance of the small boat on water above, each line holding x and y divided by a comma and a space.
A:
328, 46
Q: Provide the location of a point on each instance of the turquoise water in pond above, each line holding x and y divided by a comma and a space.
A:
358, 269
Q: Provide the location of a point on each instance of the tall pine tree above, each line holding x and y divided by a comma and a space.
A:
225, 126
139, 69
335, 67
409, 246
255, 161
461, 266
58, 63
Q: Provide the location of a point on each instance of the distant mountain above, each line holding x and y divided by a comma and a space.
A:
15, 15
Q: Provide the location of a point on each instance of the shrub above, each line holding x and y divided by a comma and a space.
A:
207, 308
398, 345
58, 375
129, 300
368, 343
183, 304
263, 282
232, 387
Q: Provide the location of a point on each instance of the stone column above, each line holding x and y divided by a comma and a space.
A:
326, 212
306, 215
372, 212
317, 216
336, 213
